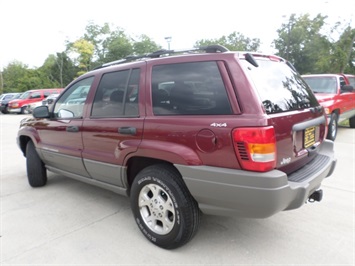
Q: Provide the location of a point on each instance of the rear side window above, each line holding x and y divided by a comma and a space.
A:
189, 89
279, 87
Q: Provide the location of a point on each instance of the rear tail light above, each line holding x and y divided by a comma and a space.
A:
255, 148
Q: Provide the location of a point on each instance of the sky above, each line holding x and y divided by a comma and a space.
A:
33, 29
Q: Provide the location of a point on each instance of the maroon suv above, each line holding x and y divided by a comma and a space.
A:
184, 133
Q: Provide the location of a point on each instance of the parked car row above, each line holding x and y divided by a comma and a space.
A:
335, 92
24, 103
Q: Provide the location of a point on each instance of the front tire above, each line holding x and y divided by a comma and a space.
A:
6, 110
333, 127
25, 110
163, 208
36, 172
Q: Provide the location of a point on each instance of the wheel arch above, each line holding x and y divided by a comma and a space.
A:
336, 111
23, 140
138, 163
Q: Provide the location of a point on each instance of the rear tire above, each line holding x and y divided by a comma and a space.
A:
352, 122
333, 127
166, 213
36, 172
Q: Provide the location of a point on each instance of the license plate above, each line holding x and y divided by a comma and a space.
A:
309, 137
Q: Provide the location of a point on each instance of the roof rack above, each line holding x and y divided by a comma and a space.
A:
216, 48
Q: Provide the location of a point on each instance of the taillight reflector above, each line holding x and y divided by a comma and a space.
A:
255, 148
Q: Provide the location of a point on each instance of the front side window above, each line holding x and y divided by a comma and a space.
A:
193, 88
71, 102
117, 94
279, 87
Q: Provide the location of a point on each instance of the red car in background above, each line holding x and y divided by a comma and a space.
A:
335, 92
28, 98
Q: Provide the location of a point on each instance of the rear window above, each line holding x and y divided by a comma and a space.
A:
280, 88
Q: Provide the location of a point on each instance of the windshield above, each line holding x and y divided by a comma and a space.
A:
322, 84
279, 87
25, 95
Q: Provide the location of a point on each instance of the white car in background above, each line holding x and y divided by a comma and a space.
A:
50, 99
47, 101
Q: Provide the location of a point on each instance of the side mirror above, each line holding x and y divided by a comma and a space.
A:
41, 112
346, 88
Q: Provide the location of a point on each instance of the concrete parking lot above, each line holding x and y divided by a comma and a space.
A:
71, 223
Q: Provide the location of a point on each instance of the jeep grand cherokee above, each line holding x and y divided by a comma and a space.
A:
184, 133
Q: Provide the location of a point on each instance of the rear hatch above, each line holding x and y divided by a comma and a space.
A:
294, 112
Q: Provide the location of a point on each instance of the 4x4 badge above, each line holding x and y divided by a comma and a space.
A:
285, 161
218, 125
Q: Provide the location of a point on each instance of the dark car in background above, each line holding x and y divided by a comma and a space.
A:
4, 101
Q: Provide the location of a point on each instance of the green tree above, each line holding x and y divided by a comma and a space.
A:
308, 44
99, 37
344, 52
12, 73
234, 42
85, 51
119, 45
18, 77
109, 45
143, 44
301, 42
60, 69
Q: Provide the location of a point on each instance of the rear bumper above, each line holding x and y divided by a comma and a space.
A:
229, 192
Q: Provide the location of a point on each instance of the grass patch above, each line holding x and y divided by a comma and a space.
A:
344, 123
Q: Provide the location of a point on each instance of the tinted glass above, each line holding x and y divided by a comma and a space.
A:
189, 89
117, 94
279, 87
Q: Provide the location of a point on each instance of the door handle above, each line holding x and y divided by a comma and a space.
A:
72, 129
127, 130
